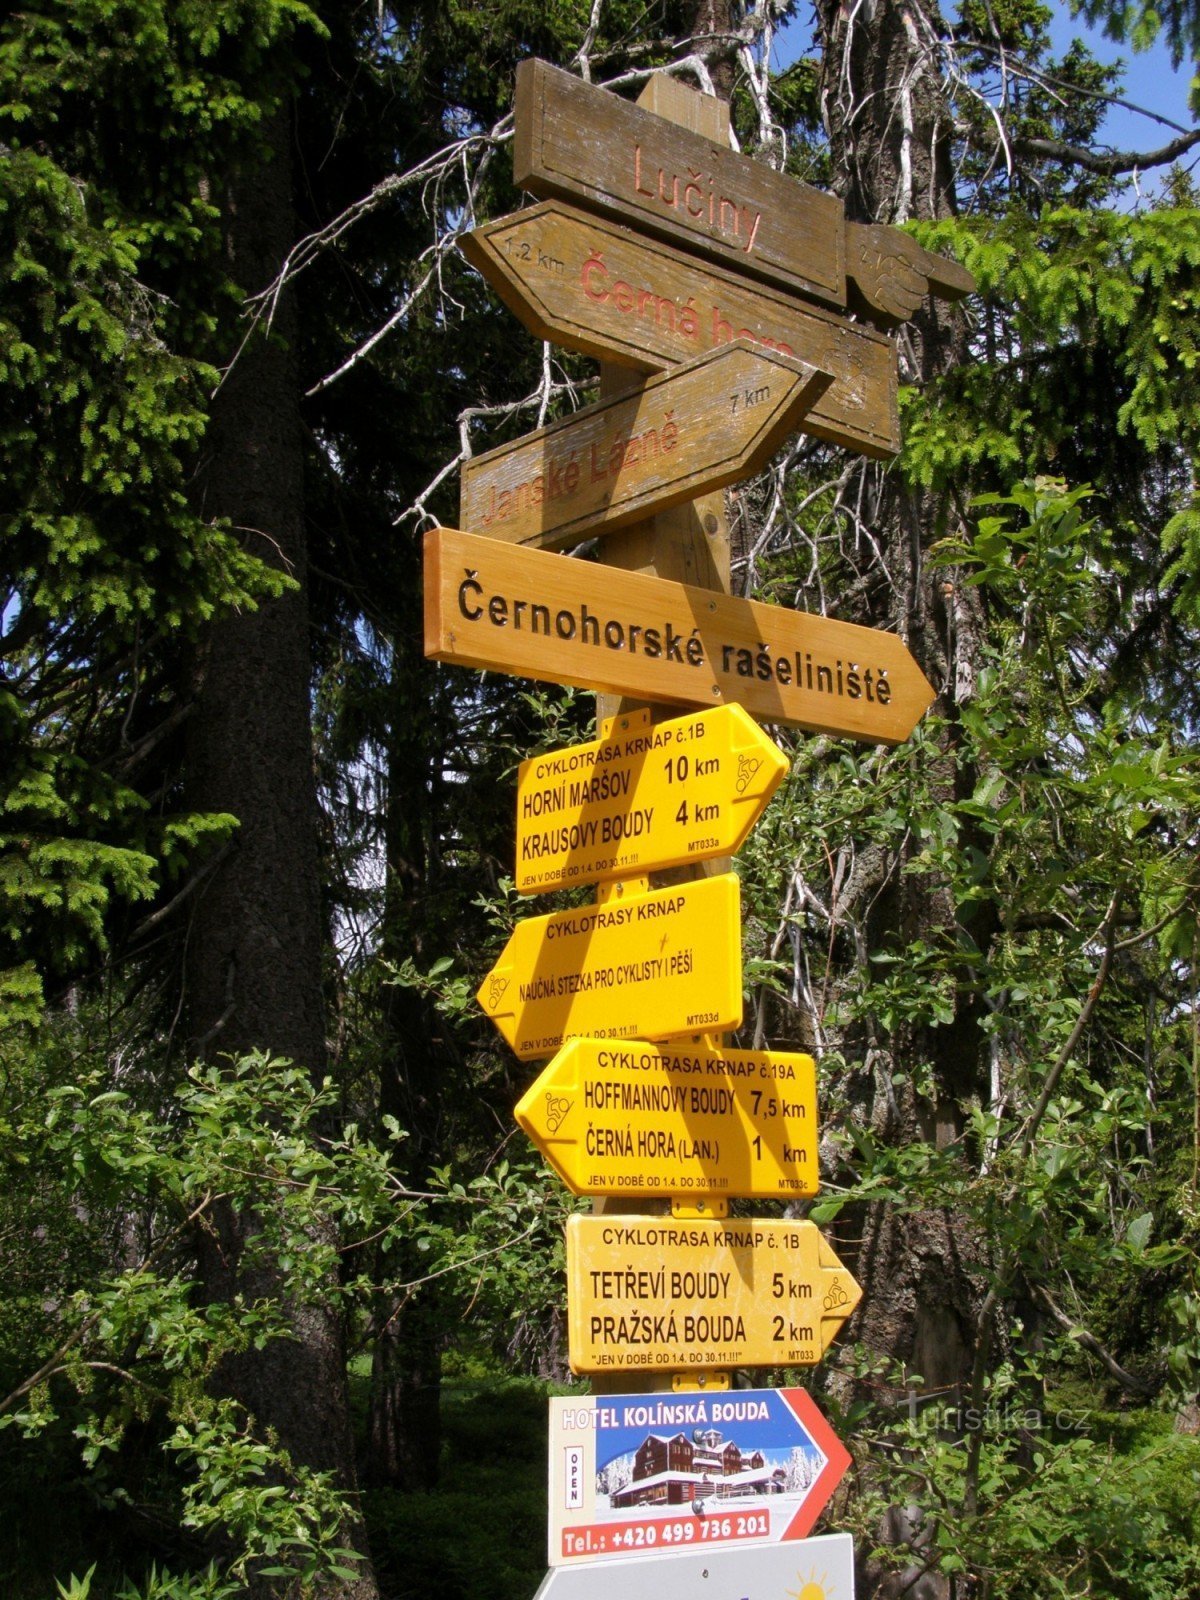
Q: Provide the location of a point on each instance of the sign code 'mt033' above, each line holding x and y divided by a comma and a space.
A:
661, 1292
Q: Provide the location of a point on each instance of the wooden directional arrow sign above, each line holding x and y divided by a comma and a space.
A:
747, 1469
645, 966
706, 424
644, 1119
544, 616
643, 797
577, 142
594, 286
647, 1293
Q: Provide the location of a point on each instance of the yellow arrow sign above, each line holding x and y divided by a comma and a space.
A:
646, 1119
643, 797
640, 966
665, 1294
710, 423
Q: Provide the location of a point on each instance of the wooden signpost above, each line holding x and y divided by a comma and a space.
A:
716, 292
544, 616
689, 1294
642, 965
699, 427
578, 143
592, 285
684, 1120
581, 144
700, 783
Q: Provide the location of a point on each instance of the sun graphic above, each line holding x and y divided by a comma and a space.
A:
813, 1587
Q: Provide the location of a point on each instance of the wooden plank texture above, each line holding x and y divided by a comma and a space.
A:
502, 608
698, 427
591, 285
586, 145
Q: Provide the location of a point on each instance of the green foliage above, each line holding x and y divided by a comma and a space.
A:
111, 295
439, 1544
97, 1362
1072, 1508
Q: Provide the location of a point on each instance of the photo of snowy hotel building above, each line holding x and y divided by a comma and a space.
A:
674, 1470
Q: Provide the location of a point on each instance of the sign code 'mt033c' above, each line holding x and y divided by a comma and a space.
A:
676, 1119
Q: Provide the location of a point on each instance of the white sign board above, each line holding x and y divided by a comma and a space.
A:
811, 1569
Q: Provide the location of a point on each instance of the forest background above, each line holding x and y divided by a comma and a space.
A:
262, 1207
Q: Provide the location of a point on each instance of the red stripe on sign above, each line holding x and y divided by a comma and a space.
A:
837, 1458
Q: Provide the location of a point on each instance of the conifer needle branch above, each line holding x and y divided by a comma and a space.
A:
1062, 86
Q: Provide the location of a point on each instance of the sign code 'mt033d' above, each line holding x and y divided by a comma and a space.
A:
678, 1295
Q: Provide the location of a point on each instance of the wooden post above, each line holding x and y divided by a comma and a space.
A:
689, 543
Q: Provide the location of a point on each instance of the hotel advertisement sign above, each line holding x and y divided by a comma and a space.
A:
667, 1474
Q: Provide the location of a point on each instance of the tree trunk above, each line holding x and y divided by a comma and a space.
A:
921, 1272
404, 1437
253, 965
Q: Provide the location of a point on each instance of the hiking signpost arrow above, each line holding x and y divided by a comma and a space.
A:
616, 1492
682, 1119
699, 427
643, 797
586, 145
686, 1294
592, 285
545, 616
643, 965
582, 144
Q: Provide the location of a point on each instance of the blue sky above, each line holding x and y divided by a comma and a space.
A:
1150, 79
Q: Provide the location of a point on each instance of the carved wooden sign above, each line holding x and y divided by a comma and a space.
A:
591, 285
578, 143
890, 273
560, 620
703, 425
